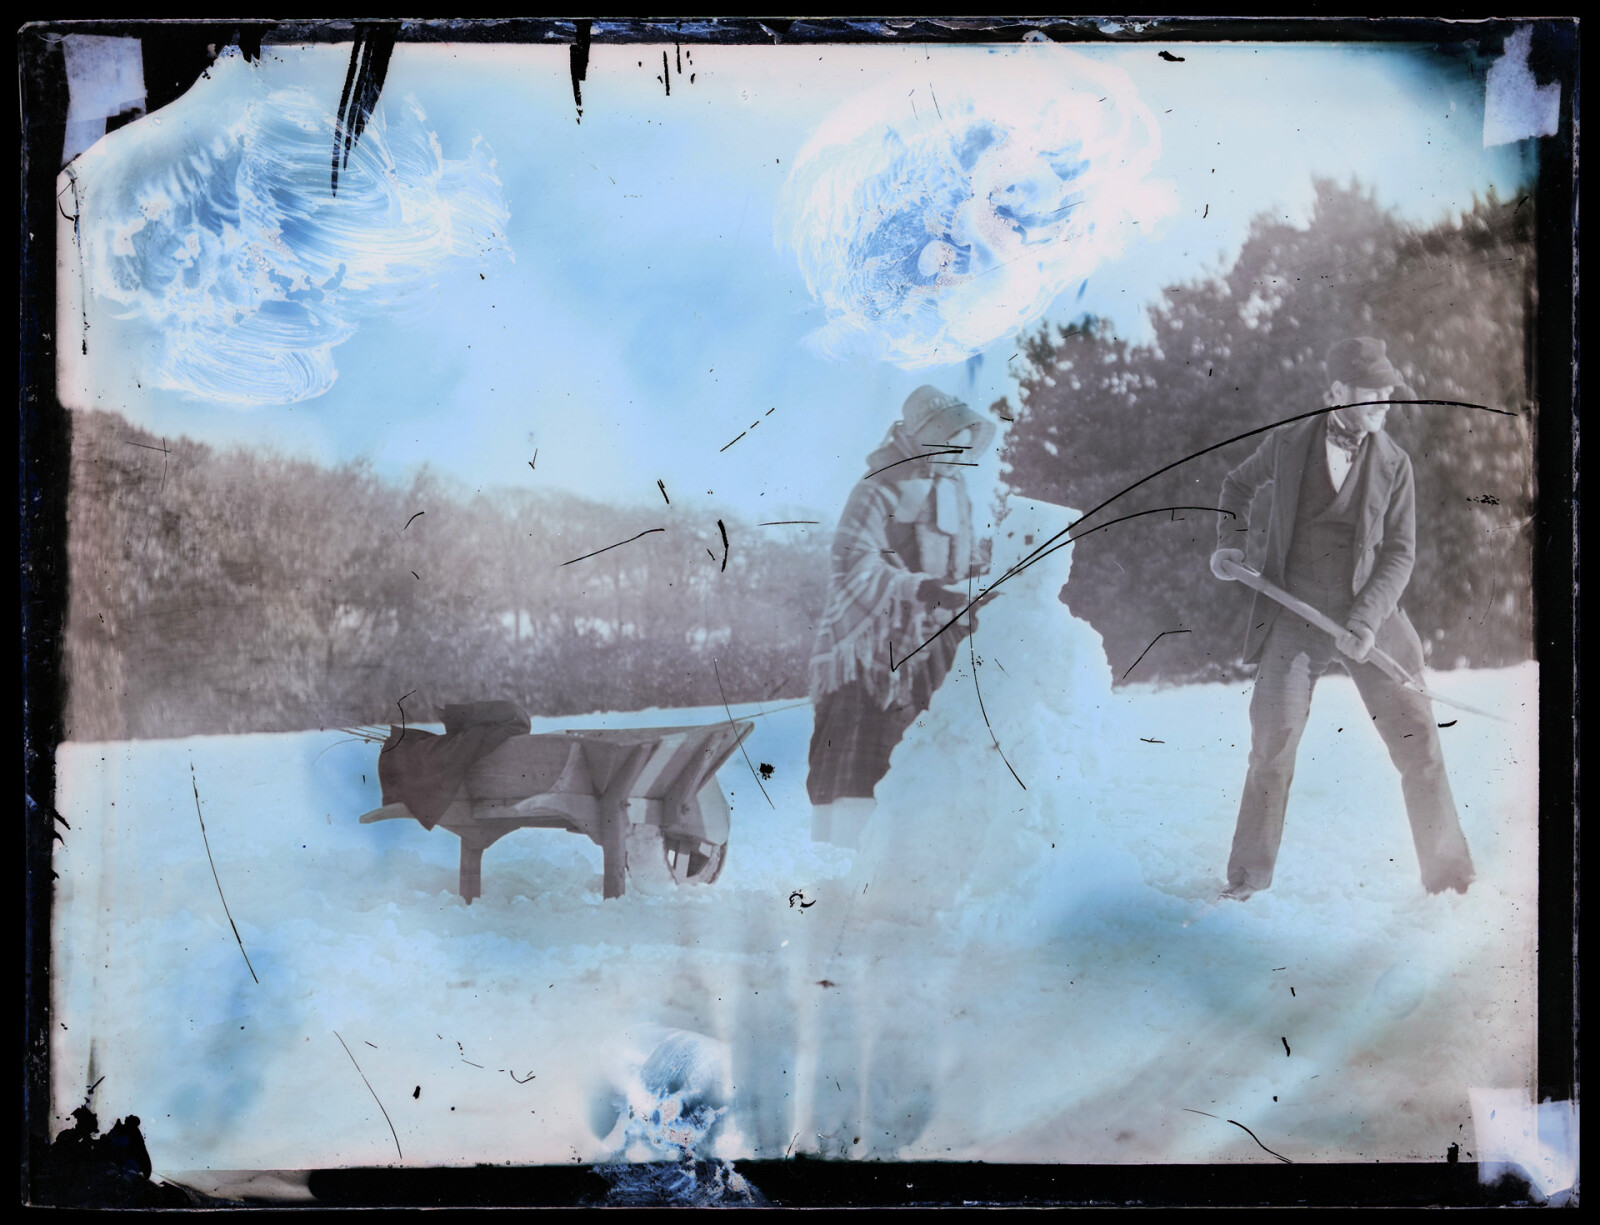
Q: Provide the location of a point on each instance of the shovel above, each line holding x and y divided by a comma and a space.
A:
1384, 661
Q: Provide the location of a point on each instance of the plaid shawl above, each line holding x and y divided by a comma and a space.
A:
873, 608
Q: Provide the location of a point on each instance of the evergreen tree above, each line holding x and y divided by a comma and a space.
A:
1243, 348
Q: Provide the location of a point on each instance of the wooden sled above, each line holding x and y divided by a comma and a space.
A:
647, 796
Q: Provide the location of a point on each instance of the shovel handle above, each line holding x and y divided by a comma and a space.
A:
1383, 660
1257, 580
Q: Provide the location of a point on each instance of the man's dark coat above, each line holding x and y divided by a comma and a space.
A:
1386, 525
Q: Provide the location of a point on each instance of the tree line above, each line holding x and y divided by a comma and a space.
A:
1243, 348
225, 591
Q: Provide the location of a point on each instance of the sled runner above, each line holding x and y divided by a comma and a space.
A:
647, 796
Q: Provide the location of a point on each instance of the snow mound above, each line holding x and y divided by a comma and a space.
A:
989, 785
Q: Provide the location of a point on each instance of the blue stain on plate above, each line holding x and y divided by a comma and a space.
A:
680, 1101
931, 224
219, 231
685, 1183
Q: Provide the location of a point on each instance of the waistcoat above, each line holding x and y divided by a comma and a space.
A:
1321, 562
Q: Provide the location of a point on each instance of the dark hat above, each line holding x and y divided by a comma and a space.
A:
1361, 362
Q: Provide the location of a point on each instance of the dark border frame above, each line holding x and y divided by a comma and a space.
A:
176, 52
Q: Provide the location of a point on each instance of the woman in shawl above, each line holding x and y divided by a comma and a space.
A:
901, 561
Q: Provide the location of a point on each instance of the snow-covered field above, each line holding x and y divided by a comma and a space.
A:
1000, 973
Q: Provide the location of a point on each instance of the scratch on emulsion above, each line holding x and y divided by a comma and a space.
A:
1246, 1130
973, 654
196, 788
375, 1097
718, 674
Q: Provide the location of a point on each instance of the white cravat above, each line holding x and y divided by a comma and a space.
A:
1339, 463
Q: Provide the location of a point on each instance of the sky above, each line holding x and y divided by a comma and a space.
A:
777, 251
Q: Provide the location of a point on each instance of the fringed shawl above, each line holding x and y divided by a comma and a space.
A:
873, 612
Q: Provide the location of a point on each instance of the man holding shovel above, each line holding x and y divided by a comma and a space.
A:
1341, 538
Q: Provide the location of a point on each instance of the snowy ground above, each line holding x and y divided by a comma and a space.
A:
1000, 974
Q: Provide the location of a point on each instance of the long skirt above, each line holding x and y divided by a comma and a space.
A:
852, 741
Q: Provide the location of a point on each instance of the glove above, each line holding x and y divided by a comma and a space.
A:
948, 601
1356, 641
932, 591
1221, 555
